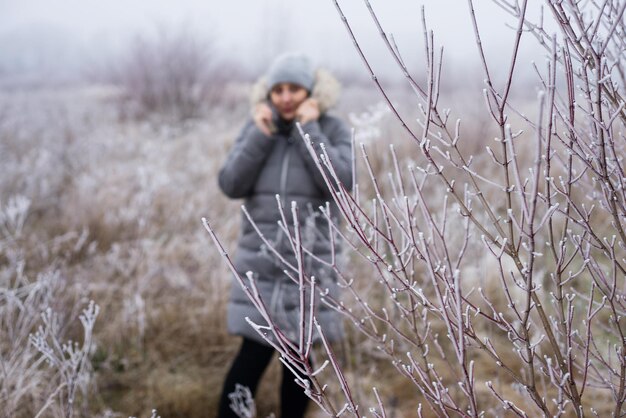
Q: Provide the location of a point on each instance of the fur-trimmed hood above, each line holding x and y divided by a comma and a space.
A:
326, 90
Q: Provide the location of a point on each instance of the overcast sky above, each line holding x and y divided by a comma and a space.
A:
252, 31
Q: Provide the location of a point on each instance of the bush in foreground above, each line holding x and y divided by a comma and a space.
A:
497, 276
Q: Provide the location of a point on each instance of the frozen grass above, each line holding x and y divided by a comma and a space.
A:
109, 209
99, 206
112, 209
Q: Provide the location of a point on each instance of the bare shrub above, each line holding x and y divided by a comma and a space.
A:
495, 278
173, 73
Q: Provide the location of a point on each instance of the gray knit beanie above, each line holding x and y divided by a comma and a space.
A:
293, 68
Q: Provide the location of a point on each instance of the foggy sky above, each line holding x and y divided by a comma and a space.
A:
252, 31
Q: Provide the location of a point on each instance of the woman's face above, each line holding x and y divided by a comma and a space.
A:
286, 97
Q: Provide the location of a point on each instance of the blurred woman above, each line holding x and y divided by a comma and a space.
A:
270, 158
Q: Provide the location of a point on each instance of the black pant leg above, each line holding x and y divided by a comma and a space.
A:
293, 401
246, 370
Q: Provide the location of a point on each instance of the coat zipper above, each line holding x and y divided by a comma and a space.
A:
284, 169
283, 191
283, 175
274, 300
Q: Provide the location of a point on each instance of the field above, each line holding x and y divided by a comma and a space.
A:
483, 266
99, 206
104, 207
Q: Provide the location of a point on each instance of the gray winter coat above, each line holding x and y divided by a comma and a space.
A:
257, 169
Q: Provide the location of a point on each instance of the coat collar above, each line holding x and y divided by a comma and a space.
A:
326, 90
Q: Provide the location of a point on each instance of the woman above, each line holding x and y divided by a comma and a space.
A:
270, 158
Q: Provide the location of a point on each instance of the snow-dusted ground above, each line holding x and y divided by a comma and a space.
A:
96, 205
112, 207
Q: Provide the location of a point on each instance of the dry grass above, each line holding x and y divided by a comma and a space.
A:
115, 207
132, 193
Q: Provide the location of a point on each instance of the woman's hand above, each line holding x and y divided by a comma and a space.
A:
308, 111
263, 118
